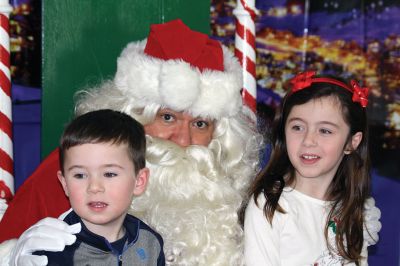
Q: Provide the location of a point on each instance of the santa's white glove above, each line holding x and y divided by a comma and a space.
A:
372, 224
49, 234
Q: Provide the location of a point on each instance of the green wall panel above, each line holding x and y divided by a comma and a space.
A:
82, 40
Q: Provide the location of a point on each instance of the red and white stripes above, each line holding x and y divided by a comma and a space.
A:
6, 147
245, 40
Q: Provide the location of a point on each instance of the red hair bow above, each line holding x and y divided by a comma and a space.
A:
360, 95
302, 80
305, 79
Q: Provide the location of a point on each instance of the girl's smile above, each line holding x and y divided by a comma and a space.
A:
309, 158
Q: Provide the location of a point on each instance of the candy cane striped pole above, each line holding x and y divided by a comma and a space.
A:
245, 42
6, 147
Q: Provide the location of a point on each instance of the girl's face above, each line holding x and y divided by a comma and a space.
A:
316, 136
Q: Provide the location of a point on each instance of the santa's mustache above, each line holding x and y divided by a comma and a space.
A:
184, 172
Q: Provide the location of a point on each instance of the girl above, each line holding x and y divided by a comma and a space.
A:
307, 204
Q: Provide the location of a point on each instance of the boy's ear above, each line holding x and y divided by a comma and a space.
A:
61, 178
141, 181
355, 141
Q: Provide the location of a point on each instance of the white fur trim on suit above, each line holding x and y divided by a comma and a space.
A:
177, 85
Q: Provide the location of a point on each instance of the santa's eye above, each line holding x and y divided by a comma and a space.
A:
201, 124
167, 117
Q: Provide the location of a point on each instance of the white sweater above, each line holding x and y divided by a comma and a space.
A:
295, 238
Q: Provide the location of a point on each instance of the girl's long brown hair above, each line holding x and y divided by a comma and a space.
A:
350, 186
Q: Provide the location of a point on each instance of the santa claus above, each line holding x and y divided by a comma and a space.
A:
202, 151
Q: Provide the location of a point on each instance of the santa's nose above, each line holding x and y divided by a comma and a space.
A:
182, 135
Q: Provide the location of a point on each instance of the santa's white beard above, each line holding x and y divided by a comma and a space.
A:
191, 202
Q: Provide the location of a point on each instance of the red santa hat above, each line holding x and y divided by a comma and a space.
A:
181, 69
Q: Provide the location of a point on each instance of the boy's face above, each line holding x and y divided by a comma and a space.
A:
100, 181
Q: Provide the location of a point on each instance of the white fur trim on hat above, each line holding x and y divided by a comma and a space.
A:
177, 85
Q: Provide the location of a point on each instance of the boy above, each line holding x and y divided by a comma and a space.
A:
102, 162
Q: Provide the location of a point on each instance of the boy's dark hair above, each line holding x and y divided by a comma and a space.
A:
106, 126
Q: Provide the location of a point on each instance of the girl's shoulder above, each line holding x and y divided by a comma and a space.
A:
287, 201
296, 203
293, 203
